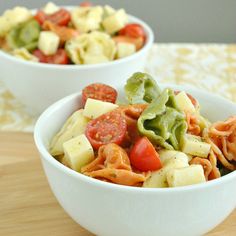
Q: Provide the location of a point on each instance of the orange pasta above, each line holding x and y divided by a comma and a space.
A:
222, 137
131, 114
215, 173
64, 33
193, 124
112, 164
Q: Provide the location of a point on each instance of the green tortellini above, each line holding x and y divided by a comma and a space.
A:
24, 35
162, 122
141, 88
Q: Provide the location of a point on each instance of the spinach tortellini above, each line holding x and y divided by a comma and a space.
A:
162, 122
91, 48
24, 35
141, 88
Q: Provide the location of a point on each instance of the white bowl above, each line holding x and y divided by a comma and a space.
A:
108, 209
37, 85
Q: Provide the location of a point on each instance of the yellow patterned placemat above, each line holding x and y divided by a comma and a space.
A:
211, 67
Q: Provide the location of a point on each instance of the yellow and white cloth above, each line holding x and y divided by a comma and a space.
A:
211, 67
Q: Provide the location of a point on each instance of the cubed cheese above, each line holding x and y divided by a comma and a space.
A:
184, 103
78, 152
158, 178
48, 42
115, 22
94, 108
125, 49
193, 145
189, 175
167, 155
108, 10
50, 8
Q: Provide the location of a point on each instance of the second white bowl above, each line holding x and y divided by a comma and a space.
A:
38, 85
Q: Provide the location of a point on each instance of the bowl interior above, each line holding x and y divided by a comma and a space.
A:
213, 107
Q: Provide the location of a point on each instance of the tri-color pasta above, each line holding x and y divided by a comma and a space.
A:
157, 139
84, 34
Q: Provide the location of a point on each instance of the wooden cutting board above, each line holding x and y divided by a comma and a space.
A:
27, 205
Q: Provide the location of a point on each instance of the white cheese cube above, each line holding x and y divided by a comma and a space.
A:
158, 179
167, 155
74, 126
184, 103
125, 49
94, 108
108, 10
189, 175
115, 22
194, 146
50, 8
78, 152
48, 42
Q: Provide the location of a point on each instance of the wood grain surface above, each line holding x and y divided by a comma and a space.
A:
27, 205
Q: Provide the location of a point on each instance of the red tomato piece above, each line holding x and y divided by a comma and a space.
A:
61, 17
108, 128
60, 57
99, 91
40, 17
85, 4
133, 31
144, 157
40, 55
193, 100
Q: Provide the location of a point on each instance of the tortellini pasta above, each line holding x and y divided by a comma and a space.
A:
141, 88
12, 18
24, 35
162, 122
86, 19
90, 48
23, 53
74, 126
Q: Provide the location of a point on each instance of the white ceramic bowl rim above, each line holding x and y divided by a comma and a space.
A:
46, 155
147, 45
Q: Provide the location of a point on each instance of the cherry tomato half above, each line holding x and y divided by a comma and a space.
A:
60, 57
98, 91
193, 100
133, 31
108, 128
85, 4
61, 17
144, 157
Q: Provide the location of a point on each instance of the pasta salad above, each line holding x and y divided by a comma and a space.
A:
156, 139
86, 34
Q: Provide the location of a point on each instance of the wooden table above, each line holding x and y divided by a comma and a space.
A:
27, 205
